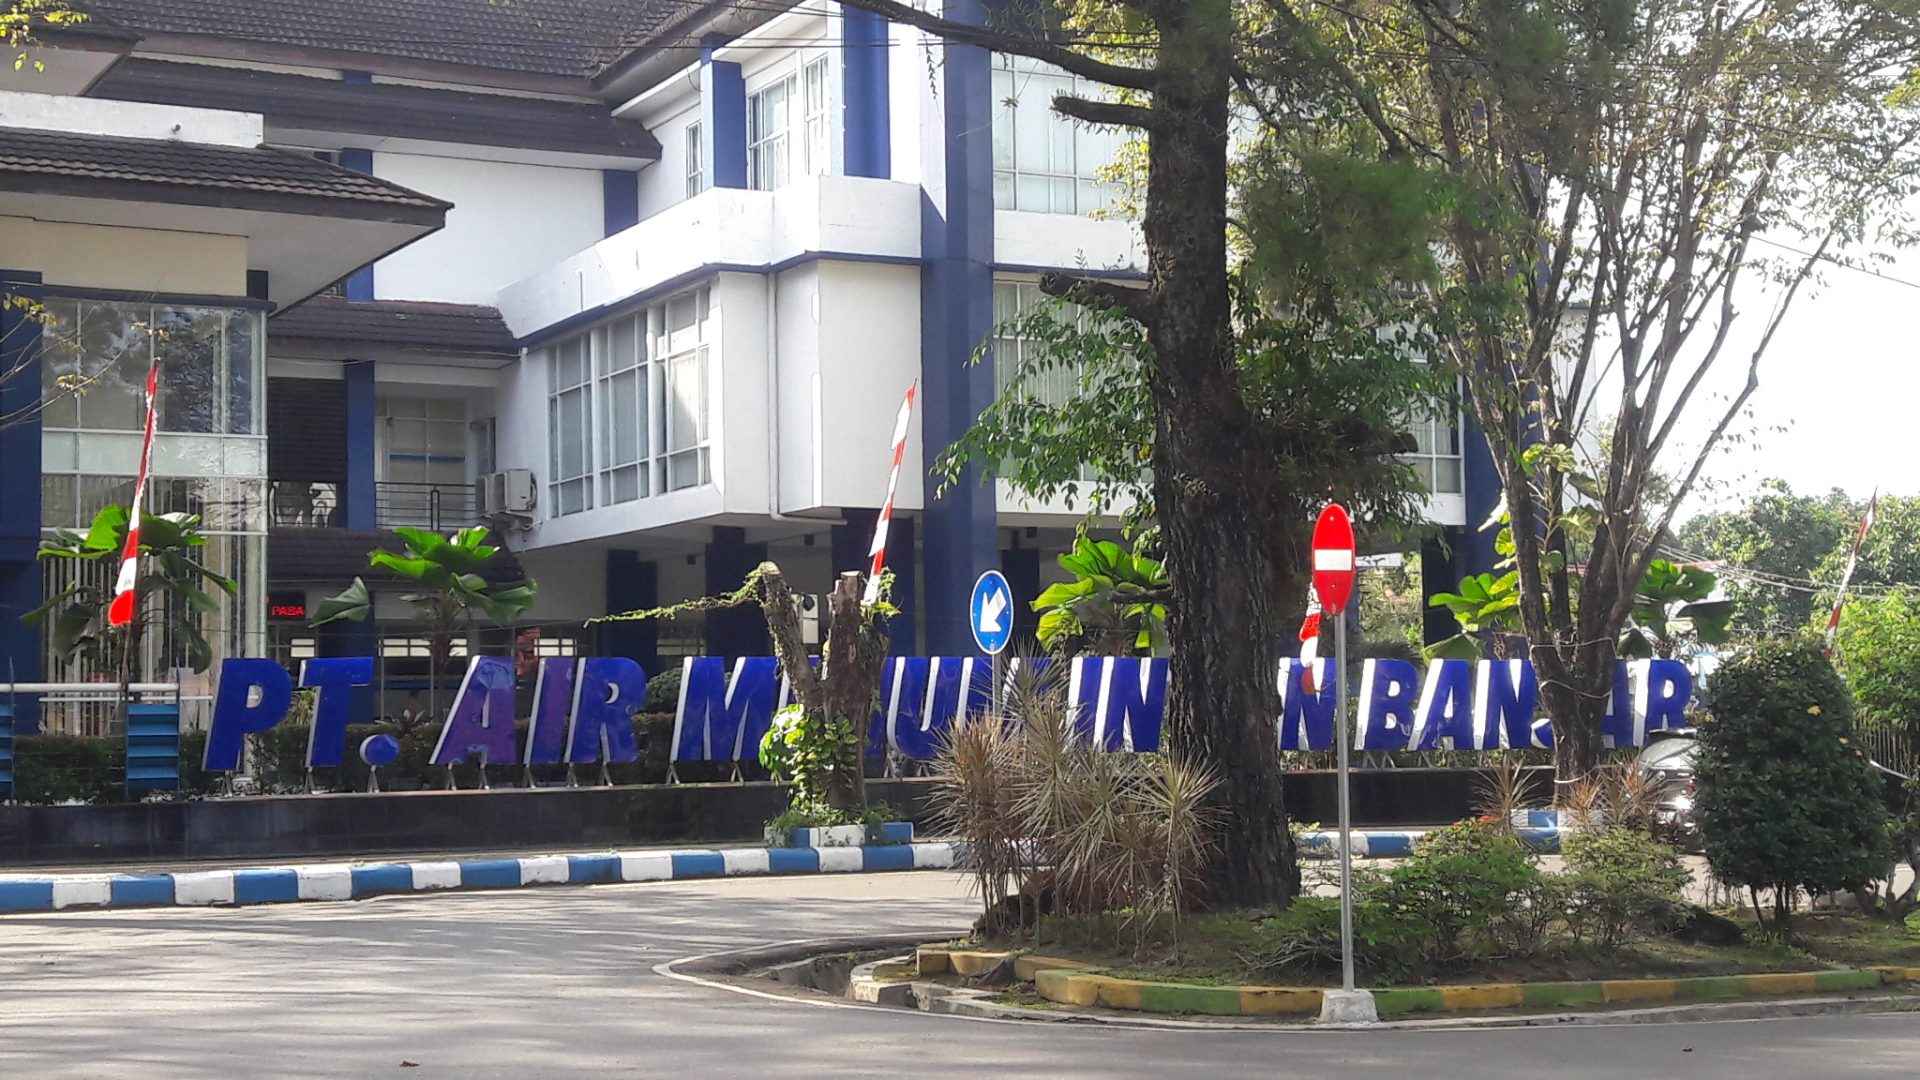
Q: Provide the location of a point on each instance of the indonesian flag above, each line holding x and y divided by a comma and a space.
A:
1853, 560
120, 613
878, 553
1310, 648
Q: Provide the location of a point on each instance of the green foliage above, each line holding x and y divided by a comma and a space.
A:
1777, 534
663, 692
1305, 939
1620, 885
68, 768
819, 815
1486, 603
1879, 650
19, 21
807, 749
172, 597
1331, 394
449, 589
1671, 611
1113, 606
1466, 883
1785, 798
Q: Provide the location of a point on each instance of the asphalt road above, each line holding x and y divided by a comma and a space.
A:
559, 982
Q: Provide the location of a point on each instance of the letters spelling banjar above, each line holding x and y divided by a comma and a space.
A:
582, 709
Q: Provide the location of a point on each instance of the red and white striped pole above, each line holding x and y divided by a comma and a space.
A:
120, 612
1853, 560
879, 550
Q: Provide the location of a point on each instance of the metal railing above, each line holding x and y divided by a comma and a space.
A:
438, 507
305, 503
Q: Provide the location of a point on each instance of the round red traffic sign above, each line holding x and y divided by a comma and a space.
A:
1333, 558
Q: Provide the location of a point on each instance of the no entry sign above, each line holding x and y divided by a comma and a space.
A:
1333, 560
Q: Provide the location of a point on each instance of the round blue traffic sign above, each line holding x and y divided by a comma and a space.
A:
991, 612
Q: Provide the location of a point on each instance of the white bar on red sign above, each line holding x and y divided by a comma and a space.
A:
1325, 559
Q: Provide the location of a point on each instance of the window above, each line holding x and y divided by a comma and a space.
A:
696, 161
1437, 458
620, 358
97, 352
819, 147
1043, 161
570, 426
1058, 384
767, 136
629, 406
422, 476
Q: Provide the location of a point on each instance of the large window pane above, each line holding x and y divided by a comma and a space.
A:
1043, 161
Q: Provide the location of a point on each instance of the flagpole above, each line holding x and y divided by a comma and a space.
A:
1853, 560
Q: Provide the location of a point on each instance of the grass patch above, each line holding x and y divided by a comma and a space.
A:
1214, 949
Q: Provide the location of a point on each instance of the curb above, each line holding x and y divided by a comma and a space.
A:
246, 886
1067, 982
1380, 844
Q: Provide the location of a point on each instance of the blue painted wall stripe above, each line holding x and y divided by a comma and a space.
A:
490, 873
265, 886
136, 890
361, 515
388, 878
697, 864
593, 869
26, 895
793, 860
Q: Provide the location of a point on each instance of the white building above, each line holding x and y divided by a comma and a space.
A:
695, 256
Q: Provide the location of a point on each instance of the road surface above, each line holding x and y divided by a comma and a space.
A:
559, 982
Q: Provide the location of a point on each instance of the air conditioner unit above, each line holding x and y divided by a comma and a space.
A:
519, 494
487, 495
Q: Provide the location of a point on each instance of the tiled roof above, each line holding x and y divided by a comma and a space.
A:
67, 163
456, 328
303, 102
545, 37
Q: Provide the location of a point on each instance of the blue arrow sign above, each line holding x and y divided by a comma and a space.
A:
991, 612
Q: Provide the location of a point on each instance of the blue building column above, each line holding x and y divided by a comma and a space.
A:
1475, 552
852, 547
956, 315
865, 95
20, 577
620, 199
734, 632
723, 119
633, 584
359, 284
360, 502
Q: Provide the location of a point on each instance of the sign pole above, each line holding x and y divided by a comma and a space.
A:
1346, 809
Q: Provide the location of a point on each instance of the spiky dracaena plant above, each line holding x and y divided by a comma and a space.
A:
1501, 789
973, 798
1174, 796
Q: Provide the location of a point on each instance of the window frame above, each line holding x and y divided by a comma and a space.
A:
696, 160
816, 116
770, 152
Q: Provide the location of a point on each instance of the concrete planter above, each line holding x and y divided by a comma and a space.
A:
846, 836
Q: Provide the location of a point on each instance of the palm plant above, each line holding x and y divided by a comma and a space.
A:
448, 590
1671, 610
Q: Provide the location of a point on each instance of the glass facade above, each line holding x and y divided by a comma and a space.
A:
209, 455
627, 406
1043, 161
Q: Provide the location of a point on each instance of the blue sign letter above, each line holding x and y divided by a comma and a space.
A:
481, 720
334, 678
610, 691
1388, 690
552, 705
235, 715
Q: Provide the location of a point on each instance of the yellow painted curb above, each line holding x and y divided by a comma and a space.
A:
1024, 967
1896, 974
1787, 983
1278, 1000
931, 961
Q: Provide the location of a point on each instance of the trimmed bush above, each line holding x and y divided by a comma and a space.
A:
1785, 797
69, 768
1621, 885
1468, 883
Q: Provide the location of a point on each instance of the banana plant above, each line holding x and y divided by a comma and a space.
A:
172, 591
1671, 608
1485, 604
1115, 604
448, 589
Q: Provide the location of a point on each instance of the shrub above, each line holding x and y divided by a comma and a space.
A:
1469, 883
69, 768
663, 692
1305, 940
1785, 799
1620, 884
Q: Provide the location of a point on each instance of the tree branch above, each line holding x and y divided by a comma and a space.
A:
1059, 56
1117, 113
1134, 302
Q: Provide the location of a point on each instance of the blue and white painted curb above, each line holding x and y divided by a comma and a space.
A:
1379, 844
358, 881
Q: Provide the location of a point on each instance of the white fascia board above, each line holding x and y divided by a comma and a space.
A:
130, 120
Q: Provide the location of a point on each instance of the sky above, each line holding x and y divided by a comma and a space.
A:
1839, 398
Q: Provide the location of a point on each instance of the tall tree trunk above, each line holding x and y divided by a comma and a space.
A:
1213, 480
848, 681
